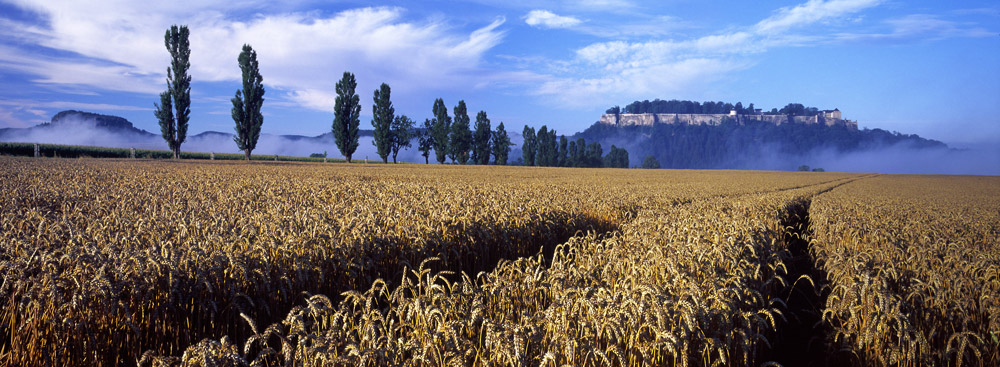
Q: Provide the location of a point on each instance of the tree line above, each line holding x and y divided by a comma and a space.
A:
543, 149
449, 139
709, 107
746, 145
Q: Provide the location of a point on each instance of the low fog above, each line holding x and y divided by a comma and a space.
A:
84, 132
901, 159
980, 160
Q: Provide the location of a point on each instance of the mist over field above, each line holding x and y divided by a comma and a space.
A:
74, 130
900, 158
984, 159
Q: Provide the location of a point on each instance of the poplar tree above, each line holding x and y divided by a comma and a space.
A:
346, 109
529, 147
382, 117
247, 103
481, 139
461, 137
441, 127
501, 145
563, 155
174, 109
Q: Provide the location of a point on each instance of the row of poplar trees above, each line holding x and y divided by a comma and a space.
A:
543, 149
451, 139
174, 110
446, 137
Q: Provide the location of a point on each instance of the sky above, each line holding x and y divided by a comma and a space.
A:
919, 67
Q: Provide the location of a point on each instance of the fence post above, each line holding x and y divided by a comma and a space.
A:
324, 159
37, 151
131, 153
275, 157
211, 156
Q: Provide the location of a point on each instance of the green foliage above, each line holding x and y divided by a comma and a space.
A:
650, 162
709, 107
797, 109
174, 122
401, 133
563, 156
804, 168
593, 155
481, 139
572, 154
501, 145
461, 137
542, 147
440, 130
246, 108
346, 110
547, 153
530, 145
818, 170
382, 118
616, 158
675, 106
425, 140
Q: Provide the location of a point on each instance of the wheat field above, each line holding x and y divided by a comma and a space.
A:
136, 262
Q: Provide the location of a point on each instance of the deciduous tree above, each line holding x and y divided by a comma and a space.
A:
425, 140
346, 110
247, 103
440, 130
382, 118
481, 139
501, 145
650, 162
461, 137
529, 147
174, 125
402, 131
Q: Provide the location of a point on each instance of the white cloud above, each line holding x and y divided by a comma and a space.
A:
320, 100
119, 46
919, 26
548, 19
33, 106
663, 67
810, 12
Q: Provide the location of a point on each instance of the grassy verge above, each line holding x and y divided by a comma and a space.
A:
83, 151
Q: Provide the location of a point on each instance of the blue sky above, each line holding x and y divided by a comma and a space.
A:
925, 67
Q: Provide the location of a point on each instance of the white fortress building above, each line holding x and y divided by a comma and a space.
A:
824, 117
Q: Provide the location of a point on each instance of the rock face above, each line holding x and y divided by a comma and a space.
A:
650, 119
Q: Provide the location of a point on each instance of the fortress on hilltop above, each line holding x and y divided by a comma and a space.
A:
822, 117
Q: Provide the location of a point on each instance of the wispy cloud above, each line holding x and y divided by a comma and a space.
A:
630, 69
548, 19
36, 105
811, 12
919, 26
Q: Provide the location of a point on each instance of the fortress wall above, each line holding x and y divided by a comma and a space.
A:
649, 119
692, 119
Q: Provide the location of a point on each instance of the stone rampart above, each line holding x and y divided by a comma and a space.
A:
650, 119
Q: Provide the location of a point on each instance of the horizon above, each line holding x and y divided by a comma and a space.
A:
922, 68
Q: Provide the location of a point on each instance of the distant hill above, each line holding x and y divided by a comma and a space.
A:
113, 124
748, 145
92, 129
